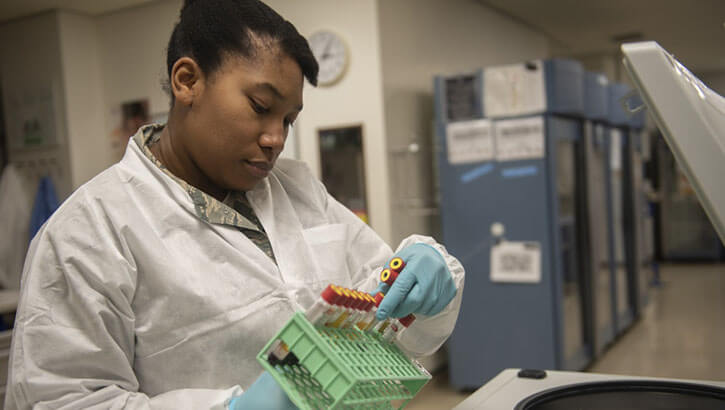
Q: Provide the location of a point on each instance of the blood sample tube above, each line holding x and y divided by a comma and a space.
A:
397, 327
368, 314
380, 325
324, 308
391, 330
316, 314
278, 352
362, 307
397, 264
346, 308
339, 306
371, 313
354, 310
388, 276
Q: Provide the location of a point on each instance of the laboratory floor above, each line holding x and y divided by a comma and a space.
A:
681, 334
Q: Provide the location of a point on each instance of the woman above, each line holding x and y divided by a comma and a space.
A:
157, 283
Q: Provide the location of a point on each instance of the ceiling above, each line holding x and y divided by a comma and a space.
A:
692, 30
10, 9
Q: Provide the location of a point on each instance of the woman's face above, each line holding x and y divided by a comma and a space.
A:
238, 121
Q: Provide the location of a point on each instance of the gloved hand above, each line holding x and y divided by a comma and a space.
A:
263, 394
424, 286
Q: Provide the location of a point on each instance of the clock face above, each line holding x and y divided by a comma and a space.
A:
331, 54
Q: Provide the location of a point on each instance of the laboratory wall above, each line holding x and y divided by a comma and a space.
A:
82, 79
33, 88
132, 45
420, 39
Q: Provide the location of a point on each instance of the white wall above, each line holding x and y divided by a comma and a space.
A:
81, 69
132, 45
420, 39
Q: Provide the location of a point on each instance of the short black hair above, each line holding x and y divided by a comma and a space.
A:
209, 30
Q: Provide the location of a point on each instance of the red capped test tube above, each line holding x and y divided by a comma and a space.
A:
380, 325
389, 275
398, 327
356, 309
397, 264
341, 312
369, 315
389, 328
326, 308
347, 303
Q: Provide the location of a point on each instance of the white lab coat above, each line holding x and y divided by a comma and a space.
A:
16, 204
129, 300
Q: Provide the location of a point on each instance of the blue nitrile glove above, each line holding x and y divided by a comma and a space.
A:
263, 394
424, 286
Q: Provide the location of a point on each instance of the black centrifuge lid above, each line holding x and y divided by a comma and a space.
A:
627, 395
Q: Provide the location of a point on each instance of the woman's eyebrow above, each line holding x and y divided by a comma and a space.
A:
265, 86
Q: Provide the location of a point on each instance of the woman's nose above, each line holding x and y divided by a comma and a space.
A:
273, 139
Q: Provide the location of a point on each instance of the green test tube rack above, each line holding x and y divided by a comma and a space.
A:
343, 368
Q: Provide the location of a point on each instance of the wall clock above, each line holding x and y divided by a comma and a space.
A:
331, 54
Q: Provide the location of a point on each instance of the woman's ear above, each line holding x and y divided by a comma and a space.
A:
186, 80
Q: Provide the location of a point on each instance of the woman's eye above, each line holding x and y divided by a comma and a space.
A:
258, 108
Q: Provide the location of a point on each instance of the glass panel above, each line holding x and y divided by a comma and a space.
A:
566, 192
640, 216
461, 97
343, 167
596, 189
616, 177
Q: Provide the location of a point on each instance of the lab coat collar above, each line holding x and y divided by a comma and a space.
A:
206, 207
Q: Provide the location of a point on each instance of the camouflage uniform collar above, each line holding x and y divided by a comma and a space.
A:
234, 211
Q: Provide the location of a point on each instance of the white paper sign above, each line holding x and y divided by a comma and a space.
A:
469, 141
615, 149
31, 118
521, 138
518, 262
514, 90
